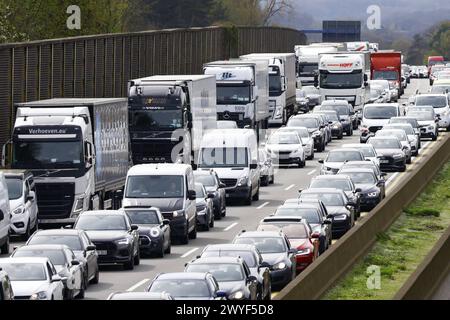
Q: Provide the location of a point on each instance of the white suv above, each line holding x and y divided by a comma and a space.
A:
440, 104
5, 216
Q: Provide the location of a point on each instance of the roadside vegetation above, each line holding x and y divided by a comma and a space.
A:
400, 250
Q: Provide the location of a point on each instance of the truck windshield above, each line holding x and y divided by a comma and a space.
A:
341, 80
274, 85
47, 154
224, 158
154, 120
385, 75
307, 69
158, 186
233, 94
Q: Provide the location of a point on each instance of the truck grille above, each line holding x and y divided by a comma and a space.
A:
229, 182
154, 152
55, 200
230, 116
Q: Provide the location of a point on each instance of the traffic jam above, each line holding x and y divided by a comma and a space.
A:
94, 183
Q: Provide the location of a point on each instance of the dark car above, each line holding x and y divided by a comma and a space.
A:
153, 229
410, 120
345, 111
341, 182
300, 235
135, 296
390, 152
313, 215
372, 189
205, 207
253, 259
339, 207
337, 130
188, 286
81, 245
232, 274
116, 239
316, 130
276, 250
213, 186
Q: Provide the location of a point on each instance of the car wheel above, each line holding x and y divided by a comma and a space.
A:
301, 164
82, 292
224, 213
169, 248
434, 138
409, 161
272, 180
193, 233
248, 200
27, 233
161, 252
185, 238
137, 258
256, 196
211, 224
341, 136
206, 225
129, 265
5, 248
96, 278
403, 169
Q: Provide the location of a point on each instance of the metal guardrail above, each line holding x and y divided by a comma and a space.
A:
99, 66
424, 282
320, 276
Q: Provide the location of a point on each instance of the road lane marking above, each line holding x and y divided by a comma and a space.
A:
312, 172
137, 285
290, 187
394, 176
187, 254
231, 226
262, 206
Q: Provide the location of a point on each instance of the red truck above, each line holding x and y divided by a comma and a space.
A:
433, 60
387, 65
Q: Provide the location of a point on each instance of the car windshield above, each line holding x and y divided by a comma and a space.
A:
142, 216
248, 256
385, 143
421, 115
284, 138
221, 272
264, 245
291, 230
302, 132
361, 177
435, 101
380, 112
309, 123
331, 183
412, 122
307, 69
401, 135
101, 222
367, 152
185, 288
15, 188
24, 271
332, 116
73, 242
158, 186
57, 257
329, 199
206, 180
310, 215
385, 75
351, 80
342, 110
408, 130
224, 158
233, 94
199, 191
342, 156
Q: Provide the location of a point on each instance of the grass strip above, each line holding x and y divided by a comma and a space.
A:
400, 250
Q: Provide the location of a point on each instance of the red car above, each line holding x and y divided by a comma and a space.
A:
300, 235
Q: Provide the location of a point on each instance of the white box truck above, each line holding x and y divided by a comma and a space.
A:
169, 116
308, 60
242, 91
78, 152
282, 84
342, 76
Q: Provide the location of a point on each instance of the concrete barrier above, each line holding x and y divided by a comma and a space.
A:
320, 276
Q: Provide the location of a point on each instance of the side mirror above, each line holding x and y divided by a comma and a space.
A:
321, 161
327, 221
221, 294
31, 197
91, 248
253, 166
293, 251
56, 278
252, 279
210, 196
264, 265
383, 174
134, 227
194, 166
358, 190
300, 190
192, 195
330, 216
315, 235
166, 222
222, 185
68, 227
75, 263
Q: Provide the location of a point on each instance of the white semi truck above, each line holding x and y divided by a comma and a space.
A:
169, 116
282, 84
308, 60
342, 76
78, 151
242, 91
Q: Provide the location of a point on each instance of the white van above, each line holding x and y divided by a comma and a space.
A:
233, 154
5, 216
168, 187
375, 116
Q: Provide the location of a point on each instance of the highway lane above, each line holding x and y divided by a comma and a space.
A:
287, 183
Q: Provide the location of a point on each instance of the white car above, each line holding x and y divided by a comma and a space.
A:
267, 171
23, 202
33, 278
337, 158
286, 148
440, 104
413, 137
65, 262
402, 137
5, 215
368, 151
307, 140
375, 116
427, 122
385, 88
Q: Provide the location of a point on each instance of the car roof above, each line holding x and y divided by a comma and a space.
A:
290, 204
432, 95
218, 260
44, 247
365, 170
332, 177
383, 138
58, 232
345, 149
159, 169
41, 260
260, 234
140, 295
292, 219
183, 276
369, 163
323, 190
230, 247
104, 212
356, 145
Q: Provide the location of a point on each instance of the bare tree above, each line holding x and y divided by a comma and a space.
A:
271, 8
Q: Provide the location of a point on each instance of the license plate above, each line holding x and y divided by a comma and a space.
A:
102, 252
384, 161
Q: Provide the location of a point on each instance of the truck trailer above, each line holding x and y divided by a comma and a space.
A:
387, 65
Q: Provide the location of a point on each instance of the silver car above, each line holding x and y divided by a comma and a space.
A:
308, 141
267, 171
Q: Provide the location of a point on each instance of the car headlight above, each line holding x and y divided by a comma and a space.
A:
336, 126
303, 252
238, 295
19, 210
242, 181
279, 266
179, 213
155, 232
398, 155
201, 207
340, 217
430, 128
373, 194
124, 241
79, 205
39, 296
